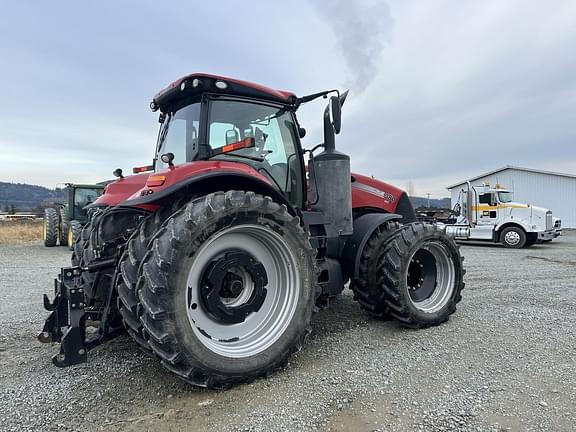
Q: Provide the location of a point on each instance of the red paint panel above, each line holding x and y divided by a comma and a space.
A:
369, 192
118, 191
192, 169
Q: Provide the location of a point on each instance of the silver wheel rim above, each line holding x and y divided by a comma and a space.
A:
444, 281
261, 328
512, 238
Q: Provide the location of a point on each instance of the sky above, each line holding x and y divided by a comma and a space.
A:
439, 90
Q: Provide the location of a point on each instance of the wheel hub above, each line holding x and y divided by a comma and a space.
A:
431, 277
233, 287
421, 275
512, 238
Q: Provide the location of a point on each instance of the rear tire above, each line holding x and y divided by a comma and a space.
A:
64, 226
50, 228
420, 276
228, 288
513, 237
129, 266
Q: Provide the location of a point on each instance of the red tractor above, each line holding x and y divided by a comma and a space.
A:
215, 261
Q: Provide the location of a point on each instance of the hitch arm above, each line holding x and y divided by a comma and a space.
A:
67, 310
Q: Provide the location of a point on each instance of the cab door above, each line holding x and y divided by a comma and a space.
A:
487, 209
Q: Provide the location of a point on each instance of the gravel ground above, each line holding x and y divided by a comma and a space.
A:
505, 361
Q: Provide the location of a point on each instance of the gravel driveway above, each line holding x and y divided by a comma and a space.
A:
505, 361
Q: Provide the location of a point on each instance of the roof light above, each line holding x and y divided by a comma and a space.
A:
142, 169
195, 82
183, 86
221, 85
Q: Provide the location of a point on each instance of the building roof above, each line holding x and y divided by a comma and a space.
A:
513, 168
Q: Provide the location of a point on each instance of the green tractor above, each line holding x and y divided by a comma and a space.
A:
63, 222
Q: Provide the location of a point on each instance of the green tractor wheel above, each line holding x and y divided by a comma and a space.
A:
50, 227
64, 225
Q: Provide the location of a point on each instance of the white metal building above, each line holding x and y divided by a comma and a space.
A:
554, 191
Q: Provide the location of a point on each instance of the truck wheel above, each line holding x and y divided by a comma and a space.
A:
227, 289
365, 287
420, 276
513, 237
64, 225
50, 227
74, 229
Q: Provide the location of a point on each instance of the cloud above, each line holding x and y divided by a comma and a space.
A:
441, 90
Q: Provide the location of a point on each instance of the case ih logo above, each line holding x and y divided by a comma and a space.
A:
386, 196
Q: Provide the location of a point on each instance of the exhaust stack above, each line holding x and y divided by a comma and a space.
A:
330, 174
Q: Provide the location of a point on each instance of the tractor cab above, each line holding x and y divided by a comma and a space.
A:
78, 196
199, 125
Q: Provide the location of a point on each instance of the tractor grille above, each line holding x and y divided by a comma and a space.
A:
548, 220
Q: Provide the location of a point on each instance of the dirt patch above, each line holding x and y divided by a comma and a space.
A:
19, 232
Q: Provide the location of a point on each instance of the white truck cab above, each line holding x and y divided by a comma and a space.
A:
492, 215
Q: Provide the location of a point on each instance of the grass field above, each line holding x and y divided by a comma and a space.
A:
17, 232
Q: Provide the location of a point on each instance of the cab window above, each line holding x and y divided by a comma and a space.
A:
179, 135
485, 198
275, 153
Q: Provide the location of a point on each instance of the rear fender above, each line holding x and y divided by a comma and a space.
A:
206, 183
364, 226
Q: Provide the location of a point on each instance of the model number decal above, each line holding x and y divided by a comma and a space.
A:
387, 196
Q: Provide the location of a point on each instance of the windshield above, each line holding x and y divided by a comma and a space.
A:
275, 150
179, 135
504, 197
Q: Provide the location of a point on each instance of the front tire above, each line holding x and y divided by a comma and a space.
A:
365, 287
513, 237
420, 276
228, 288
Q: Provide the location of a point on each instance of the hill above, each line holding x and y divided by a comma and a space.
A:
26, 197
21, 196
423, 202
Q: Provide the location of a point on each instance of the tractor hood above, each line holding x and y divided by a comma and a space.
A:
120, 190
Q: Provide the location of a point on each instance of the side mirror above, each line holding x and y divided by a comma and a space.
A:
336, 109
118, 173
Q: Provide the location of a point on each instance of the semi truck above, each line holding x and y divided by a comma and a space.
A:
491, 215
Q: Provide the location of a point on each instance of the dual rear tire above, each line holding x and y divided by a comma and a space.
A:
222, 291
412, 273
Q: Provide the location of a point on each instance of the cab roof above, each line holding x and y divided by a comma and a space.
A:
202, 83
